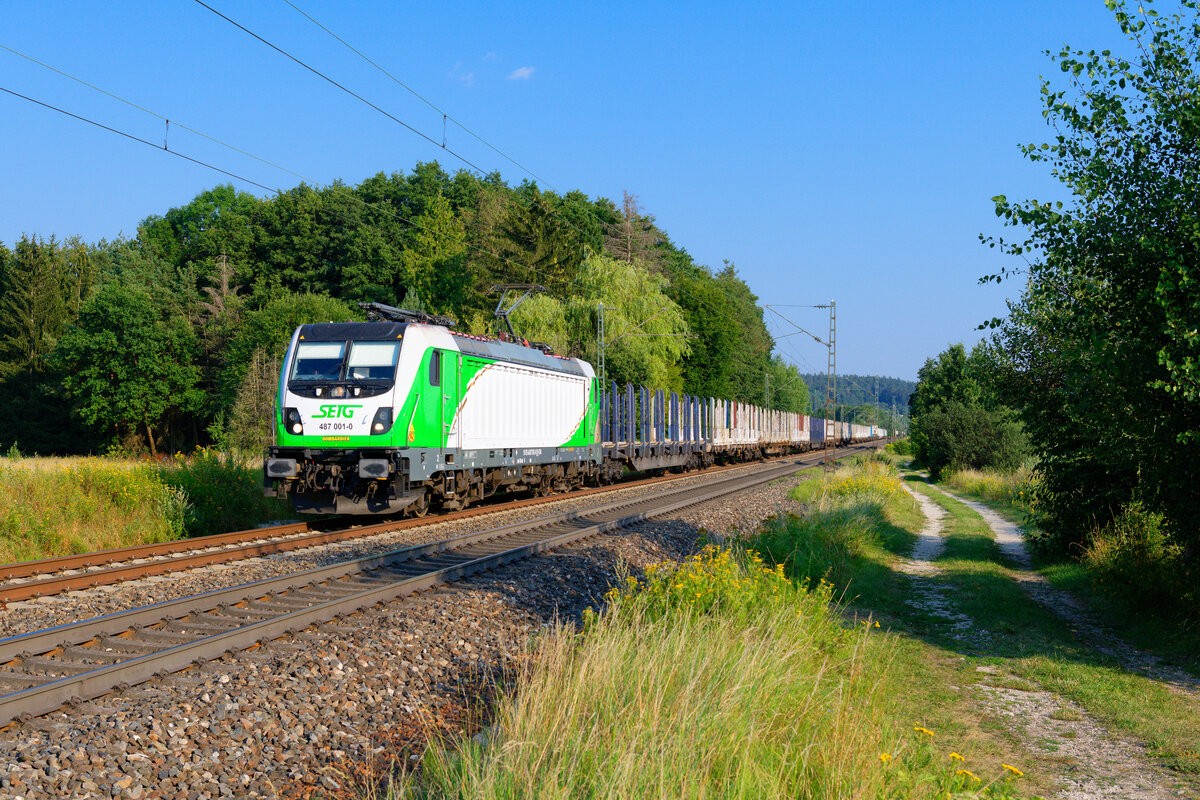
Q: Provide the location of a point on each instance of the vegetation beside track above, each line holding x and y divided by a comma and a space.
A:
1128, 571
1025, 642
736, 674
60, 506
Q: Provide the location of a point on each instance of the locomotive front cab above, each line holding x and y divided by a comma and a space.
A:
337, 445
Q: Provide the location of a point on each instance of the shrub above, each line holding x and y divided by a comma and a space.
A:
1135, 560
957, 436
901, 447
224, 493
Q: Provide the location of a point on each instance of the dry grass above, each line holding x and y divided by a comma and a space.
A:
1014, 488
60, 506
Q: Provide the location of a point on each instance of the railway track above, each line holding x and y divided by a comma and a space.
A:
44, 670
50, 576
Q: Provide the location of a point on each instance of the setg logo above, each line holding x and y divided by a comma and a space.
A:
337, 412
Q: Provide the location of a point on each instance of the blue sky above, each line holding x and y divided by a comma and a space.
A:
830, 152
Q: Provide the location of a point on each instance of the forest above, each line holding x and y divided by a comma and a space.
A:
172, 339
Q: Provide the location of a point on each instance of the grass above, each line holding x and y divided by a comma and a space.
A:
1033, 644
60, 506
808, 672
57, 507
1123, 585
731, 676
1011, 491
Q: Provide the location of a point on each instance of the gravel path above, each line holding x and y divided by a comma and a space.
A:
927, 595
1097, 763
329, 708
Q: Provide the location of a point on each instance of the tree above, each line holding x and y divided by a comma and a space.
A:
267, 331
645, 331
1105, 340
435, 265
44, 285
789, 392
128, 365
633, 235
956, 424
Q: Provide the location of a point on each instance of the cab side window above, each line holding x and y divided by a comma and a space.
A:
435, 368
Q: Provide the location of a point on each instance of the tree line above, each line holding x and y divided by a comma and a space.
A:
1099, 358
173, 338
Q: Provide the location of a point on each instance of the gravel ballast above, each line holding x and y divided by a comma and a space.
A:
315, 711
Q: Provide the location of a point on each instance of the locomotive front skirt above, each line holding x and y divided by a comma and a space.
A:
381, 417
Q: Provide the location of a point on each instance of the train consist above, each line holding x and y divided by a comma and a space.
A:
405, 414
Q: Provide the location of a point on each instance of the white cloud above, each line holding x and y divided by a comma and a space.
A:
466, 78
521, 74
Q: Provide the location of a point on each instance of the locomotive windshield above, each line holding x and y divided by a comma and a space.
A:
375, 361
334, 361
318, 361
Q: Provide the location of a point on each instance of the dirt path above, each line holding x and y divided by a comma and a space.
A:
1079, 618
1097, 764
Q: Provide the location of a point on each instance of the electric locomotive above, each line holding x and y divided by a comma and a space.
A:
401, 413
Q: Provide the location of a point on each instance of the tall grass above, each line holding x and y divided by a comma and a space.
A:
716, 678
1014, 487
847, 513
54, 507
59, 506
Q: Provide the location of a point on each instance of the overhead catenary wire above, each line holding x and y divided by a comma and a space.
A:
343, 87
162, 117
146, 142
445, 115
274, 190
391, 212
478, 169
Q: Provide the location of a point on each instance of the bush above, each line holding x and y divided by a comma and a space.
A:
901, 447
1135, 560
958, 436
224, 493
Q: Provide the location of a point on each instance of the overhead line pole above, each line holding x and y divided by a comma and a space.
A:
830, 384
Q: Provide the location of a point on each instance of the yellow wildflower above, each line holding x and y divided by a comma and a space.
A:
925, 731
885, 757
1013, 770
969, 774
957, 757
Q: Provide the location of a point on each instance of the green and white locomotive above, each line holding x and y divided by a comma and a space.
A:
401, 413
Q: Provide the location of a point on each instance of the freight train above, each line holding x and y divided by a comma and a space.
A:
404, 414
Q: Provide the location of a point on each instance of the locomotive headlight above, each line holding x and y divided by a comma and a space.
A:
383, 421
291, 419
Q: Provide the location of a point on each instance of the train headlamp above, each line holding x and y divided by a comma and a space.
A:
383, 420
291, 421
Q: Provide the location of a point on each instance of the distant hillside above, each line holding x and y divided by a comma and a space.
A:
858, 390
